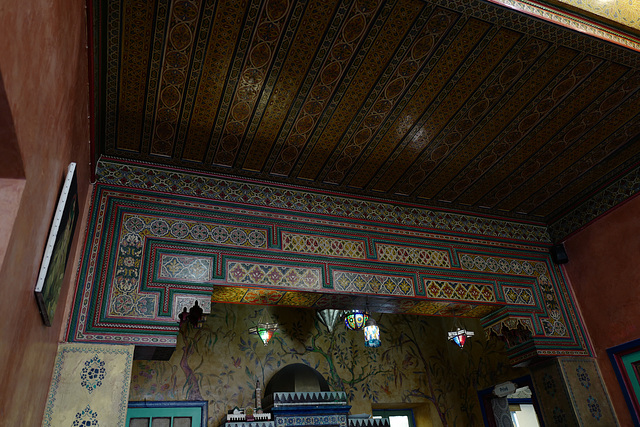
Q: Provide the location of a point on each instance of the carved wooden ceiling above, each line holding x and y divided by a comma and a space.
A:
462, 104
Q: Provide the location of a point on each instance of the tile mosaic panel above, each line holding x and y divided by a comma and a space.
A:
365, 283
315, 420
323, 245
413, 255
571, 393
90, 385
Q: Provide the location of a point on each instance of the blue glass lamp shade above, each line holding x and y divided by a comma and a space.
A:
371, 334
355, 319
460, 336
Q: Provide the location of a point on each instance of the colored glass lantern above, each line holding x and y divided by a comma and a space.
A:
355, 319
459, 336
265, 331
371, 334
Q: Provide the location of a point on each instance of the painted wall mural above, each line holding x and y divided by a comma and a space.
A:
221, 362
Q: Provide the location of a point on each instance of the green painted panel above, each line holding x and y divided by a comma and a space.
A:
169, 412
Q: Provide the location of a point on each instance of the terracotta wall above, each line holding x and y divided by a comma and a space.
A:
604, 272
43, 63
415, 365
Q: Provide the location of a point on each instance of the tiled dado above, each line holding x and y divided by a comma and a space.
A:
149, 254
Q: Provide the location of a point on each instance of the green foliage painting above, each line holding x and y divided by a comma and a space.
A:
221, 363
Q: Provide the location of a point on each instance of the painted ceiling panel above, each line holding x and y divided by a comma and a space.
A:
463, 105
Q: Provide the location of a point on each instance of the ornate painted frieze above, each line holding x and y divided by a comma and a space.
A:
302, 201
624, 14
323, 245
413, 255
245, 273
149, 254
459, 291
378, 284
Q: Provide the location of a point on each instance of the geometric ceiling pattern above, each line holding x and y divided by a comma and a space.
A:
456, 104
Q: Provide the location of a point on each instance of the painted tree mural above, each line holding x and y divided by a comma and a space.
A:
221, 363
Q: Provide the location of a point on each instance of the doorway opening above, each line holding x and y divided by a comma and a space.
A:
520, 405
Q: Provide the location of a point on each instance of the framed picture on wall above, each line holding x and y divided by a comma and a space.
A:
626, 363
58, 246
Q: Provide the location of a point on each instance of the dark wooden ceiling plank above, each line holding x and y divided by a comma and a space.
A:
178, 62
308, 38
554, 69
482, 67
386, 41
450, 61
552, 112
503, 86
536, 171
584, 156
137, 22
576, 161
346, 34
261, 55
607, 183
392, 92
217, 61
423, 51
521, 63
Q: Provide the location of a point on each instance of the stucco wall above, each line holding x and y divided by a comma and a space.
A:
43, 63
415, 364
604, 272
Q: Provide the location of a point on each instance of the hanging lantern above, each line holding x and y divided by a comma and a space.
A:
460, 336
355, 319
328, 317
265, 331
371, 334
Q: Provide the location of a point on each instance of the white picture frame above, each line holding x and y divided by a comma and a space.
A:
58, 246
